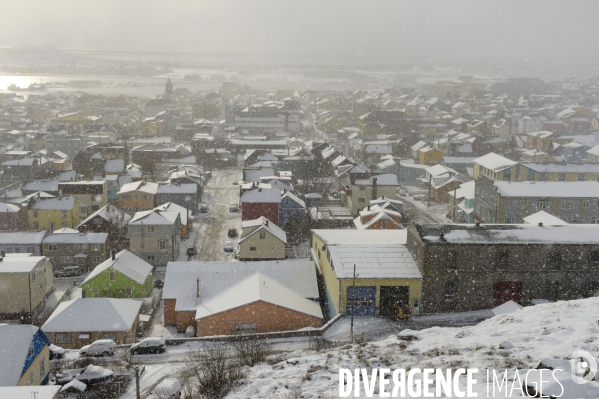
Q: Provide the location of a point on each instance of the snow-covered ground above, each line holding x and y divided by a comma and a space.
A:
553, 330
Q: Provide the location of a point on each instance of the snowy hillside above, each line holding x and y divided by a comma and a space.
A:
553, 330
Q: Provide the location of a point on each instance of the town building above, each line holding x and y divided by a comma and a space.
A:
123, 275
53, 213
25, 358
362, 190
27, 242
70, 247
474, 267
137, 196
261, 240
260, 202
79, 322
154, 236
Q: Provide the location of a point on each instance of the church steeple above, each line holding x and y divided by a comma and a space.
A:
168, 90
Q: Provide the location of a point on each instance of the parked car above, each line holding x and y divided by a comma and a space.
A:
191, 251
228, 246
149, 345
233, 208
91, 375
68, 271
203, 208
56, 352
168, 388
101, 347
402, 193
232, 233
235, 182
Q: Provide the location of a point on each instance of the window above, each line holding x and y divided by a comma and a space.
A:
384, 224
95, 208
63, 214
66, 260
567, 204
129, 291
254, 248
577, 220
542, 205
162, 244
30, 250
98, 221
509, 220
83, 209
42, 369
501, 259
561, 177
449, 291
586, 204
581, 177
31, 350
595, 256
262, 235
17, 250
51, 225
109, 336
246, 328
595, 220
97, 259
63, 338
451, 260
96, 247
35, 214
36, 225
523, 203
555, 260
361, 199
150, 229
80, 261
150, 257
362, 188
111, 276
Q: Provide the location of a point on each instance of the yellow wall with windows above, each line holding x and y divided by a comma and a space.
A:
47, 216
356, 206
35, 369
337, 288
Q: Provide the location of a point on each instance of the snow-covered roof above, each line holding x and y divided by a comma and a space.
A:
380, 214
418, 145
543, 217
126, 263
75, 237
180, 282
258, 287
64, 203
373, 261
146, 187
510, 234
494, 162
27, 392
21, 263
114, 165
294, 198
263, 223
41, 185
548, 189
268, 195
172, 207
386, 179
154, 217
22, 237
93, 314
369, 237
561, 168
110, 213
594, 150
186, 188
15, 341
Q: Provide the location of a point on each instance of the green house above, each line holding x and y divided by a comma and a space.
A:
124, 275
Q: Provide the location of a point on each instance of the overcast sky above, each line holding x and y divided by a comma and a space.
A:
436, 30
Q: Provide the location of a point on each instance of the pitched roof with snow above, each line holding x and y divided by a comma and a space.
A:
269, 195
15, 341
64, 203
263, 223
495, 162
368, 237
22, 237
126, 263
543, 217
146, 187
73, 236
548, 189
93, 314
258, 287
373, 261
108, 212
293, 198
154, 217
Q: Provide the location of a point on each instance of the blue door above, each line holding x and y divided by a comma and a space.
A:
362, 299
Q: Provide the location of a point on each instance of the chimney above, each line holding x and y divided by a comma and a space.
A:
368, 206
113, 254
374, 187
266, 222
540, 224
197, 288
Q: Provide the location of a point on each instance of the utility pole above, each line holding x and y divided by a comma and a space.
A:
455, 205
137, 392
351, 325
430, 178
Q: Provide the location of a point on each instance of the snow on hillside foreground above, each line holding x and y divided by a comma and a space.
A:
552, 330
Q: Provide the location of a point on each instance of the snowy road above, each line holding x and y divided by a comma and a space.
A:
218, 194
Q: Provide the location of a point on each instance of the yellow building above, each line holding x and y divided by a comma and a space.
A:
26, 355
26, 283
364, 190
429, 156
54, 213
495, 167
261, 240
558, 172
388, 281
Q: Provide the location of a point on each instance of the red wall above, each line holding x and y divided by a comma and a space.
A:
251, 211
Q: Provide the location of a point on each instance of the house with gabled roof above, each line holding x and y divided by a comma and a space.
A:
377, 217
291, 207
81, 321
123, 275
154, 236
261, 240
25, 355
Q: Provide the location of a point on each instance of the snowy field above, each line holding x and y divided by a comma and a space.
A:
553, 330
